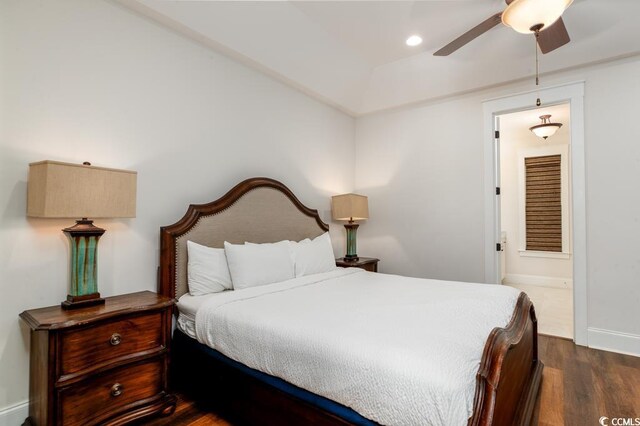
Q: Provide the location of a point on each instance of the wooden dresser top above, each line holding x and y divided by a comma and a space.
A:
54, 317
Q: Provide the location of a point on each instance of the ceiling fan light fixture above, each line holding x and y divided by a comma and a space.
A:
525, 15
414, 40
546, 128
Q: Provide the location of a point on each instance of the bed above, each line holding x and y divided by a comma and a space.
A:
504, 383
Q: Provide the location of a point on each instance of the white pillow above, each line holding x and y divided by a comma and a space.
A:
306, 240
207, 270
252, 265
315, 256
292, 246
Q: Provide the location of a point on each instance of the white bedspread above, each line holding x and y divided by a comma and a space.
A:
188, 306
398, 350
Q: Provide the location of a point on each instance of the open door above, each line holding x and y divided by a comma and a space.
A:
496, 179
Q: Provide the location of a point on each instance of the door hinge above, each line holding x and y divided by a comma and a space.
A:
498, 247
497, 190
497, 134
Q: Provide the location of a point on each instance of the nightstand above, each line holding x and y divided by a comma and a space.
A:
367, 263
103, 364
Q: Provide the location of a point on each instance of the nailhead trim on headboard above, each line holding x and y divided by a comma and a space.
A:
269, 216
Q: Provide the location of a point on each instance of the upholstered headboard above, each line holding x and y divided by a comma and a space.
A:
259, 210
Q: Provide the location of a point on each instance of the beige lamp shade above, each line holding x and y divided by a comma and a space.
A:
64, 190
349, 207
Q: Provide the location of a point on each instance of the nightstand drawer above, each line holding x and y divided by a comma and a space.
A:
88, 347
93, 400
104, 364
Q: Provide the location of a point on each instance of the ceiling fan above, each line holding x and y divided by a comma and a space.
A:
539, 17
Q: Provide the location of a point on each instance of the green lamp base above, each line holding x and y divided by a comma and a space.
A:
352, 229
83, 289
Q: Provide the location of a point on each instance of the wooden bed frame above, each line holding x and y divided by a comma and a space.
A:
507, 381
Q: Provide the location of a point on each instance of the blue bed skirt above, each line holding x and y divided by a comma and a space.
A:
338, 410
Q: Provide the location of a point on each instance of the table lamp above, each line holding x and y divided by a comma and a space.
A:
350, 207
81, 191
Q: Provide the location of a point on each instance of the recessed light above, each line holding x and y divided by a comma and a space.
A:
414, 40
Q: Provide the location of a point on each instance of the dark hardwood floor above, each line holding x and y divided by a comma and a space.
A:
579, 386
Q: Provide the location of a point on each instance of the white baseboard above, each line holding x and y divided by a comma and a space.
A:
539, 280
614, 341
14, 415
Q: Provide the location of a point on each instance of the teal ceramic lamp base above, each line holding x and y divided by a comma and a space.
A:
352, 229
83, 290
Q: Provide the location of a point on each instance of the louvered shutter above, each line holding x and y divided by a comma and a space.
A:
543, 203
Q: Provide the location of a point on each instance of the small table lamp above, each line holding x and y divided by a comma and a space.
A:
350, 207
63, 190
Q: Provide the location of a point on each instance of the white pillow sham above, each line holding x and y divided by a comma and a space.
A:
292, 246
314, 256
207, 270
252, 265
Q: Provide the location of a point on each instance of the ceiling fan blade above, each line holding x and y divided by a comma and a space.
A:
470, 35
553, 37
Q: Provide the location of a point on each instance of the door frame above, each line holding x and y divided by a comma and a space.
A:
573, 94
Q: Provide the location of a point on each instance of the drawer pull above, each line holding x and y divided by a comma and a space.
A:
115, 339
116, 390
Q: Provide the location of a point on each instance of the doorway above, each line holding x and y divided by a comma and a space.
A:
573, 94
534, 214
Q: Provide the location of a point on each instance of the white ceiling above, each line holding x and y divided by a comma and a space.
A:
351, 54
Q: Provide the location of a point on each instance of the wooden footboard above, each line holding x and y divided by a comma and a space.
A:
509, 377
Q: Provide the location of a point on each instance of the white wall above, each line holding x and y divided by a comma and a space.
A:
422, 172
516, 138
93, 81
422, 167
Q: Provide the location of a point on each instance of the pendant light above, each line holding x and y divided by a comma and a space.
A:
546, 128
525, 15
